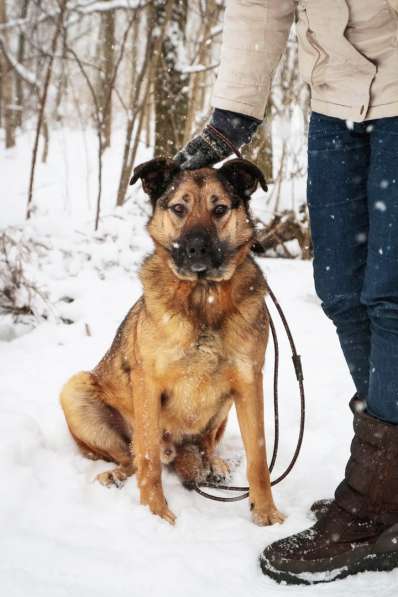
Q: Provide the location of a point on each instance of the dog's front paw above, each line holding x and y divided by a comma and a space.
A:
157, 505
267, 515
161, 509
164, 512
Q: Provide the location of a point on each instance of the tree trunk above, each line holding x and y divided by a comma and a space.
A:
19, 86
170, 84
140, 95
106, 74
6, 88
197, 87
62, 86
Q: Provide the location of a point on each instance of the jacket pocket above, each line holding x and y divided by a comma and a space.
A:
310, 53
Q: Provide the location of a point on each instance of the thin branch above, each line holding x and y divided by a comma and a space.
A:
23, 73
43, 101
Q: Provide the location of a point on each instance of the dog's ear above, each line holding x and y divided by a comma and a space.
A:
155, 175
243, 176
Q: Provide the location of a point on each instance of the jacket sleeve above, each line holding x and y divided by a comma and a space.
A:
254, 37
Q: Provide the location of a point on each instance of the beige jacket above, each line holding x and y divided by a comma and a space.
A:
348, 55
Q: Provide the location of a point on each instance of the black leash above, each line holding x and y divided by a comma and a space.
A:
300, 379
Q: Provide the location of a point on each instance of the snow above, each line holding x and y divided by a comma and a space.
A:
90, 6
61, 533
195, 68
380, 205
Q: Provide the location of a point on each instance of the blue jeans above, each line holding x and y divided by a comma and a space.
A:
353, 205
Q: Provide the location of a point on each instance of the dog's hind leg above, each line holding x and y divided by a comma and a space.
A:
98, 429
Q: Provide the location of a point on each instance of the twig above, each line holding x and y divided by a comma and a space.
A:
43, 104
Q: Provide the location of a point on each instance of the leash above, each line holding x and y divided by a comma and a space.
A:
296, 359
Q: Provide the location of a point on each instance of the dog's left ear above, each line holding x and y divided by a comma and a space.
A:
243, 176
155, 175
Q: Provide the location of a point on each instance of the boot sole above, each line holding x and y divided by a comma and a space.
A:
380, 562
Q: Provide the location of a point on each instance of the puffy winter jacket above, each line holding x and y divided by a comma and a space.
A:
348, 55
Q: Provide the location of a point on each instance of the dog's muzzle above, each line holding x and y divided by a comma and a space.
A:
197, 252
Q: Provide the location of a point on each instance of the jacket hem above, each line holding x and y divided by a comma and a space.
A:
382, 111
352, 112
341, 111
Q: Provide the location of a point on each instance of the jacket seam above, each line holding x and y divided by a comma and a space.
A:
334, 103
351, 106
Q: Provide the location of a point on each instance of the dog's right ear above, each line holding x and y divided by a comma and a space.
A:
155, 175
243, 175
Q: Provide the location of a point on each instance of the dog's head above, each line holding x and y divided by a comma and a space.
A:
201, 220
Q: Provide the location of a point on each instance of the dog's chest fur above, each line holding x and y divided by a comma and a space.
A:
194, 379
196, 372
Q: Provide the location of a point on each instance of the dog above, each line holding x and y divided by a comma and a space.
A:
191, 347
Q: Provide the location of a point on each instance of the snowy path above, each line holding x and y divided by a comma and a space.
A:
62, 535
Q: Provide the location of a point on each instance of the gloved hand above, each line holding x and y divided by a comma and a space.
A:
204, 150
208, 148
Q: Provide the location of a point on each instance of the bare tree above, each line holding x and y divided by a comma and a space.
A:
170, 83
43, 101
19, 83
6, 89
141, 94
106, 74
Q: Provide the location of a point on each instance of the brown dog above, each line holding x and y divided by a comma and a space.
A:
191, 346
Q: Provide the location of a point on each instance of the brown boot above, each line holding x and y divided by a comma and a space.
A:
359, 531
321, 507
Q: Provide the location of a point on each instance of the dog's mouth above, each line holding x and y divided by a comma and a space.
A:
197, 271
198, 256
199, 268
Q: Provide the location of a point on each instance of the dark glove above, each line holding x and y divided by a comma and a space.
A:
208, 148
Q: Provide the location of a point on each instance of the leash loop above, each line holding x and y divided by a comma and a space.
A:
298, 369
300, 378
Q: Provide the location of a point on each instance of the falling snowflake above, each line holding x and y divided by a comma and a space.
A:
380, 206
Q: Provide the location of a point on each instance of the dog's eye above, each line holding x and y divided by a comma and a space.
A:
220, 210
179, 209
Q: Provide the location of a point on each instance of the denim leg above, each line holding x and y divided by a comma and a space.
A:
380, 290
338, 164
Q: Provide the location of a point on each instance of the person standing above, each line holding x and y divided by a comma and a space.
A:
348, 55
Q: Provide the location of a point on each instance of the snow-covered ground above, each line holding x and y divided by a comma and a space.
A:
63, 535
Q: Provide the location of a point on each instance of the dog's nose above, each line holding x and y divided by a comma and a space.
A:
196, 247
197, 251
